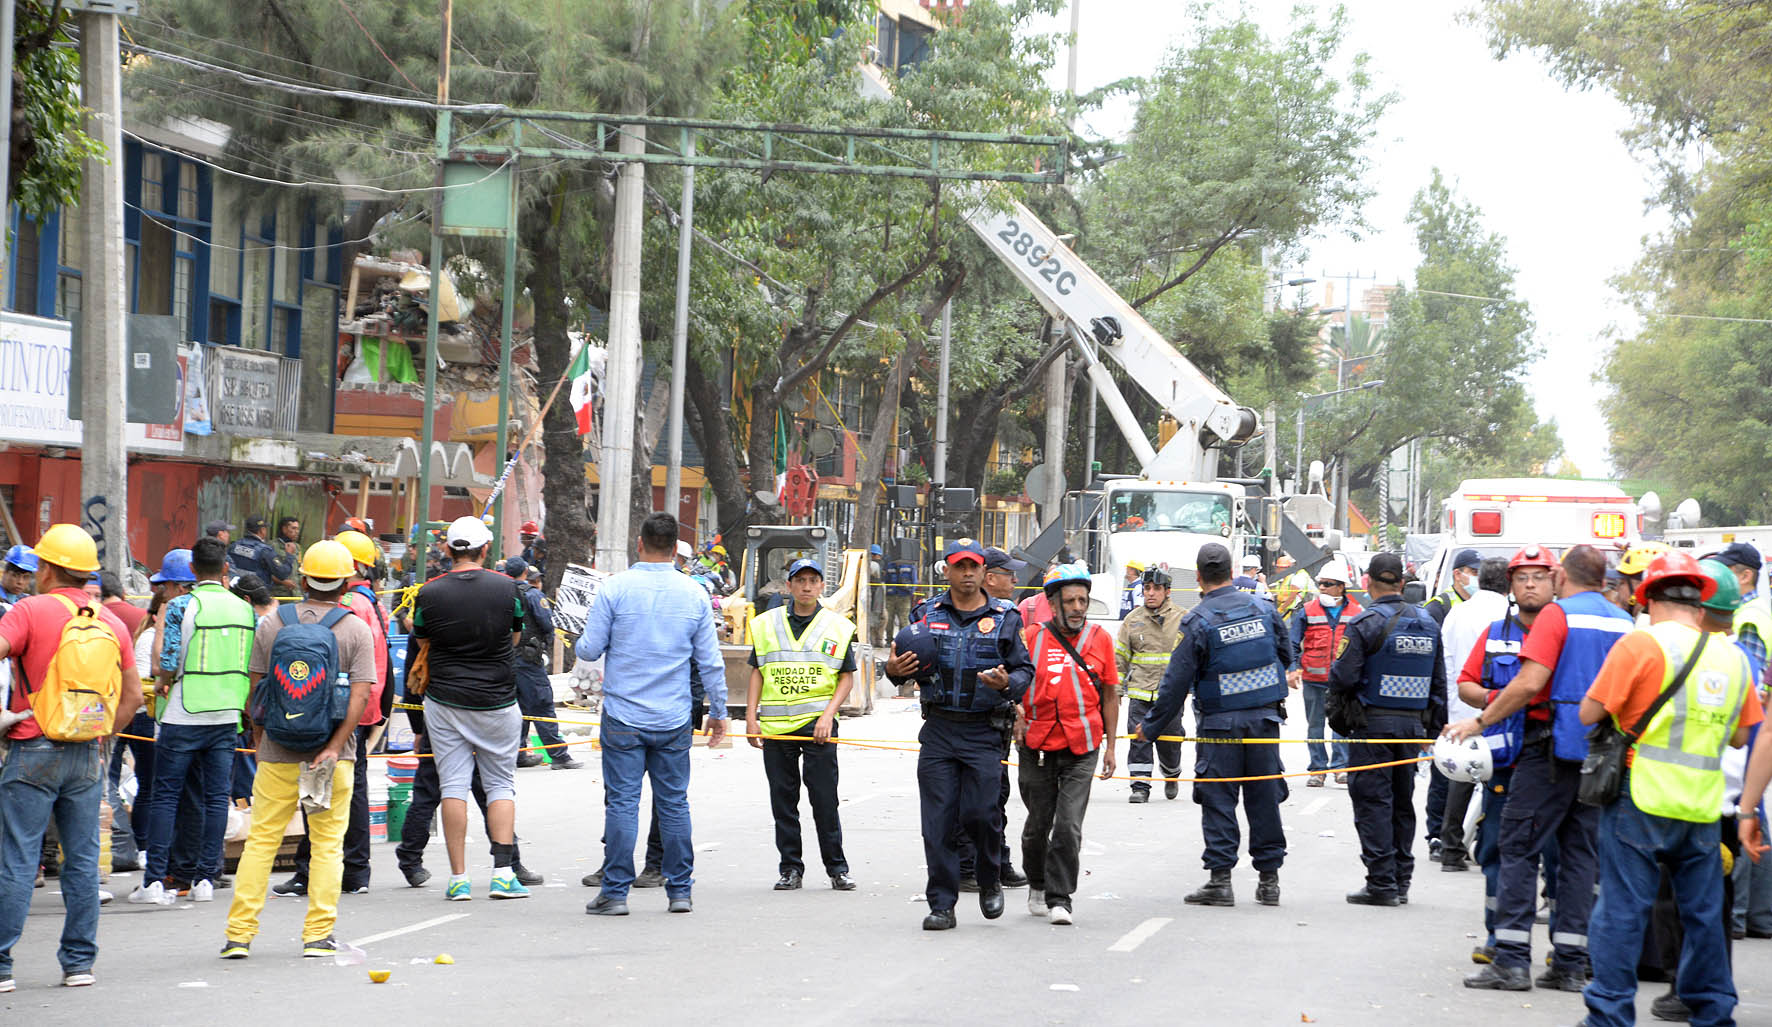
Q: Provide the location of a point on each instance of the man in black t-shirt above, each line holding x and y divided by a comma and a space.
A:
469, 620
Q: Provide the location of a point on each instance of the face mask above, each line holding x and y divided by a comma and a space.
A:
1328, 600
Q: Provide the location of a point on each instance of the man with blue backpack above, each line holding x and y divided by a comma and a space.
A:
314, 664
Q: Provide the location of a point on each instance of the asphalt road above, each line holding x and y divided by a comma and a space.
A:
1136, 954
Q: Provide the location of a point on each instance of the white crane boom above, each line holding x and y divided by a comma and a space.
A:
1092, 311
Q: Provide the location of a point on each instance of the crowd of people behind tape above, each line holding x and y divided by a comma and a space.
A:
1598, 710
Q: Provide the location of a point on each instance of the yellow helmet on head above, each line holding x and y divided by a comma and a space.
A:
1639, 555
328, 560
361, 547
69, 547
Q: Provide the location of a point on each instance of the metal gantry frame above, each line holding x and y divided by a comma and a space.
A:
509, 136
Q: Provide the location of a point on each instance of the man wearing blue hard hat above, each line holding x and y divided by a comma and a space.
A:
18, 575
802, 668
980, 670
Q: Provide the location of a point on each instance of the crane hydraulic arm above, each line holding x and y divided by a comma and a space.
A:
1094, 315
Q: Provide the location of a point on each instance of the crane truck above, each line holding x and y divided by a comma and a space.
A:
1177, 502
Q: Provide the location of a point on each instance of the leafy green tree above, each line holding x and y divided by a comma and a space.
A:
49, 150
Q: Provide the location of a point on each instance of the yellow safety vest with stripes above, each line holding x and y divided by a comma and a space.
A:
799, 674
1756, 614
1678, 768
1147, 638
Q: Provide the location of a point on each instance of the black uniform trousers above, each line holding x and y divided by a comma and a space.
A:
1138, 754
356, 830
1384, 800
786, 762
535, 697
1261, 799
1006, 856
959, 772
1541, 807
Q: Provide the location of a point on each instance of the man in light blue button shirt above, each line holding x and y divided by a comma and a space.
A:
651, 624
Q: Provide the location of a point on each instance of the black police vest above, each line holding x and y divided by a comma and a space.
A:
1240, 671
1401, 673
962, 649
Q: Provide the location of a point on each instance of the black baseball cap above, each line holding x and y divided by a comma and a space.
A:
1213, 562
254, 523
516, 567
1386, 567
1466, 558
1739, 554
216, 527
997, 560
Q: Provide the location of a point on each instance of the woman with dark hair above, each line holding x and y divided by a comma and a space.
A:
253, 589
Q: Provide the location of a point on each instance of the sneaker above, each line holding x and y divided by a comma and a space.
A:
105, 897
7, 985
293, 888
527, 759
526, 876
594, 879
603, 905
1036, 903
1341, 778
236, 949
417, 876
460, 889
650, 879
77, 979
319, 948
1668, 1006
1315, 781
681, 905
565, 762
507, 887
203, 891
152, 895
361, 889
1060, 915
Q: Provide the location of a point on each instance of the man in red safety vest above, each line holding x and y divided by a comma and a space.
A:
1072, 707
1316, 631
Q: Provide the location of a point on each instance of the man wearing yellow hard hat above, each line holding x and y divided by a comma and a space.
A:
56, 720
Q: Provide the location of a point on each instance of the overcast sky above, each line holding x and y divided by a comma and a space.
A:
1545, 166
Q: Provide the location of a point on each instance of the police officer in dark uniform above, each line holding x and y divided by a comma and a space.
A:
251, 554
1232, 654
1388, 681
535, 693
979, 668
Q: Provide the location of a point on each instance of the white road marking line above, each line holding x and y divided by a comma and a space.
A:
1140, 934
1315, 806
409, 929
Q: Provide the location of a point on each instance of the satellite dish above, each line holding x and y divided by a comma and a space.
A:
821, 442
794, 402
1038, 483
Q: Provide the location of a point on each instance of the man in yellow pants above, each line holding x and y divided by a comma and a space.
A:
301, 659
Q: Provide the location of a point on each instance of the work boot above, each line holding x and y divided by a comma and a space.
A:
1563, 978
1483, 955
841, 881
968, 882
526, 876
790, 881
1454, 864
563, 761
1366, 896
1267, 890
1171, 789
650, 878
990, 903
1500, 978
1139, 795
1009, 877
527, 759
939, 920
417, 876
1215, 892
1669, 1007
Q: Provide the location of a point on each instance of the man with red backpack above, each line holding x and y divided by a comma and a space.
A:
360, 599
1072, 708
314, 666
74, 683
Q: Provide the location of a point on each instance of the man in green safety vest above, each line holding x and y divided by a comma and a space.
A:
802, 667
1753, 618
1690, 695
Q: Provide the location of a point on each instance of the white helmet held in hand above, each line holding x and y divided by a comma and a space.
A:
1469, 760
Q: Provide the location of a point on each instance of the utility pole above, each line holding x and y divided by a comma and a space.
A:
1058, 365
505, 327
104, 464
615, 465
6, 47
941, 396
1053, 501
680, 342
428, 432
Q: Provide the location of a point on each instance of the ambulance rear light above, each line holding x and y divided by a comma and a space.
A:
1609, 525
1485, 522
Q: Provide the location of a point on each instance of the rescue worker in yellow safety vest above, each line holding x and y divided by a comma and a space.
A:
1753, 618
802, 667
1294, 586
1148, 636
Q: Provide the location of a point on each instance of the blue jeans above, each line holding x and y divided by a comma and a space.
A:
142, 726
42, 779
630, 753
1323, 757
207, 751
1633, 848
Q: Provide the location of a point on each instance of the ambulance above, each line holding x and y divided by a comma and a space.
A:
1497, 516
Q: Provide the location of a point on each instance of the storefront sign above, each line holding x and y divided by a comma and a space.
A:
245, 399
35, 353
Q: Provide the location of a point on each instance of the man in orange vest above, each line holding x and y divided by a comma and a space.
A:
1072, 707
1316, 634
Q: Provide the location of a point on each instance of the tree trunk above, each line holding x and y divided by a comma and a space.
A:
571, 536
760, 451
713, 434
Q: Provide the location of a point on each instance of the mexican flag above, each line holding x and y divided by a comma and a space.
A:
580, 373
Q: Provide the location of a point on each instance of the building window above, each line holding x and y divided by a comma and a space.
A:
70, 244
27, 245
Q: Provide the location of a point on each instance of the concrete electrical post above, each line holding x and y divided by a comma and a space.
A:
104, 467
615, 463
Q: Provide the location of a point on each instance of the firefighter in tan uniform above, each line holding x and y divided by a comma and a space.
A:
1147, 636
